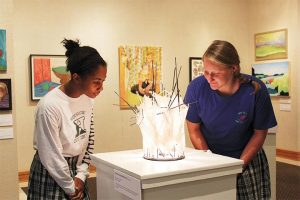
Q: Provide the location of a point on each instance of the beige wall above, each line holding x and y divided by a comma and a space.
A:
8, 147
268, 15
182, 28
297, 88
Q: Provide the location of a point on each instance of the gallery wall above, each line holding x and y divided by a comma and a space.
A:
8, 147
182, 28
273, 15
297, 63
298, 86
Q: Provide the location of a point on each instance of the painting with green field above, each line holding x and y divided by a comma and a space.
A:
271, 45
275, 76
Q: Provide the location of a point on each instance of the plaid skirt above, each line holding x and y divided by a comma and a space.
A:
254, 182
41, 186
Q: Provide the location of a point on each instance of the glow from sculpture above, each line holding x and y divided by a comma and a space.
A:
162, 127
161, 120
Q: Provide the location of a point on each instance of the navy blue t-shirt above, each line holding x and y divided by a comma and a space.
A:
228, 122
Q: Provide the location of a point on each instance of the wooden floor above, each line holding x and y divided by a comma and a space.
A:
91, 185
288, 181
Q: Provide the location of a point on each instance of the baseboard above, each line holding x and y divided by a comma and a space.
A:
291, 155
23, 176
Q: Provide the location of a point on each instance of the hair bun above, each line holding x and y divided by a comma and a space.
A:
70, 45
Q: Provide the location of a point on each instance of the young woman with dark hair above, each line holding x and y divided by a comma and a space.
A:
64, 128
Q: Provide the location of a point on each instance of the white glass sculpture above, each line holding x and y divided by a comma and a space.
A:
161, 120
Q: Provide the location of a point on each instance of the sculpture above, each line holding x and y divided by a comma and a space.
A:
161, 120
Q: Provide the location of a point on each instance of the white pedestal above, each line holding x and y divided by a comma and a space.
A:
201, 175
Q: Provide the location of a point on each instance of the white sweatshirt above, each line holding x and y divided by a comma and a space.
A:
64, 128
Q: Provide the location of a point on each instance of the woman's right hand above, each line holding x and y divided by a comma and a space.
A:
78, 195
79, 189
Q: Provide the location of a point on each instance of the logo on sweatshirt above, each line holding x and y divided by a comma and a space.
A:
242, 117
78, 120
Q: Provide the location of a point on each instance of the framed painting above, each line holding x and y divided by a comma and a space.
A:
140, 73
271, 45
3, 58
47, 72
275, 75
196, 67
5, 94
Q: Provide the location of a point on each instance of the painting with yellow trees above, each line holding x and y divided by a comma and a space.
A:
140, 73
271, 45
275, 75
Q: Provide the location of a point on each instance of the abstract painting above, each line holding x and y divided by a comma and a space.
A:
275, 75
47, 72
271, 45
5, 94
3, 61
140, 73
196, 67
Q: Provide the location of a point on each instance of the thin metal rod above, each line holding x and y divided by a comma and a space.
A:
177, 79
132, 108
119, 105
183, 104
152, 80
173, 86
142, 118
173, 101
176, 84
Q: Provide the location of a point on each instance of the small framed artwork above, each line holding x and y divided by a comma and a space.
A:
271, 45
275, 76
3, 58
47, 72
5, 94
196, 67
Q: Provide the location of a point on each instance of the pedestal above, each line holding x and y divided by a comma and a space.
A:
201, 175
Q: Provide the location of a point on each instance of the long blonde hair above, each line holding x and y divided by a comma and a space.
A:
225, 53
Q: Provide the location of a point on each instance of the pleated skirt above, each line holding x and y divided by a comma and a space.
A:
41, 186
254, 182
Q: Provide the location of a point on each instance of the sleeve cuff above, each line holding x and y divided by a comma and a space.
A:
70, 190
81, 176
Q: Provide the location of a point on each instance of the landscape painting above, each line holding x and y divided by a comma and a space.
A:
275, 75
271, 45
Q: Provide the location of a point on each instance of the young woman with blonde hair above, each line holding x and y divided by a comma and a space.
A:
231, 117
